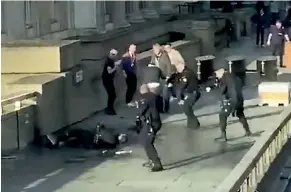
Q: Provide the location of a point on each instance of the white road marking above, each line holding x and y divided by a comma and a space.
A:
35, 183
54, 172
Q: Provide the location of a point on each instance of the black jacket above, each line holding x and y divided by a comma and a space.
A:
152, 74
187, 82
231, 88
148, 109
164, 63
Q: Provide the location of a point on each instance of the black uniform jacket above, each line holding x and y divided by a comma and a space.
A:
187, 82
231, 88
149, 110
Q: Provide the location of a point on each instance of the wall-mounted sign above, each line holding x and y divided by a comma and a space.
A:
79, 76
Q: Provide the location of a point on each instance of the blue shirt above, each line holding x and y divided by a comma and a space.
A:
128, 64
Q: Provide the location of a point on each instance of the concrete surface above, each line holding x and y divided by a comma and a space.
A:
192, 159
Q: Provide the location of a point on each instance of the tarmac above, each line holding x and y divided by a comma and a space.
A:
192, 159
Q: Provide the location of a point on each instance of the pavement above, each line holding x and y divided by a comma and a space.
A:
192, 159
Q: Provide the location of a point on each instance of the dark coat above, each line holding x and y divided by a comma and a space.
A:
231, 88
164, 63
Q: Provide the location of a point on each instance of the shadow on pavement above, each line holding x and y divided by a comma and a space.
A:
224, 148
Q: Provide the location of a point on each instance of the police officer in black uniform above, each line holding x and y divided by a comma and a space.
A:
108, 73
150, 125
152, 76
232, 101
188, 93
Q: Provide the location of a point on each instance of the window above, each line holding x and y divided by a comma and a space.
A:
27, 12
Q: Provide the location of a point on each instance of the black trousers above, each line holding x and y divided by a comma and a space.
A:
260, 35
110, 89
166, 98
278, 50
239, 113
191, 99
148, 135
131, 82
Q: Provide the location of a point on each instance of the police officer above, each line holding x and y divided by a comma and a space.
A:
277, 39
232, 101
188, 93
152, 76
149, 128
108, 73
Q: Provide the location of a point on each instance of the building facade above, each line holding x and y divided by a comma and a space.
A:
61, 19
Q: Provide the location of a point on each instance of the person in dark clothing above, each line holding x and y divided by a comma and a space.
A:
108, 73
128, 64
232, 101
188, 93
229, 31
277, 39
150, 127
152, 76
261, 25
161, 59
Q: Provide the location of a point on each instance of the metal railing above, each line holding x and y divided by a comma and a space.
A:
248, 173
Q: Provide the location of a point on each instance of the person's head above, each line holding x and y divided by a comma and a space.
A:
262, 12
113, 54
219, 73
278, 24
180, 67
132, 49
143, 89
168, 47
157, 49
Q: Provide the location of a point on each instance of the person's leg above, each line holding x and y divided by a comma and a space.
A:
262, 33
257, 35
192, 120
131, 82
166, 98
108, 91
152, 153
111, 97
242, 119
222, 124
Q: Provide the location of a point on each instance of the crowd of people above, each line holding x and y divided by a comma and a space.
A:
164, 79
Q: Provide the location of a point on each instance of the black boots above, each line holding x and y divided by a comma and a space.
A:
149, 164
248, 133
193, 124
154, 167
110, 111
157, 167
222, 136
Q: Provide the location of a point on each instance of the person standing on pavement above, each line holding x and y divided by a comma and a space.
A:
176, 59
274, 9
261, 25
232, 101
188, 93
128, 64
276, 40
150, 127
108, 73
161, 59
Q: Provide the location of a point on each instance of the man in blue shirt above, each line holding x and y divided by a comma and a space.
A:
128, 64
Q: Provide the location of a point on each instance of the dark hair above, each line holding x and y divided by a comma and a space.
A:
169, 44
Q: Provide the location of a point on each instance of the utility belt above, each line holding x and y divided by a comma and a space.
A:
195, 94
226, 107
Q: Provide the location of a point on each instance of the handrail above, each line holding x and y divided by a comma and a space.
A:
16, 98
248, 173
